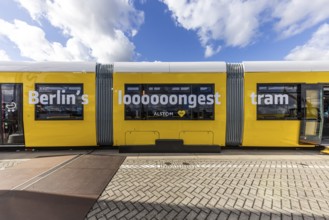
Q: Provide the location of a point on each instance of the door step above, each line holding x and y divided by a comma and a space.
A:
325, 150
325, 144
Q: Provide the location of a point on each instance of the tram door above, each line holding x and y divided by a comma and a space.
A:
11, 131
325, 132
312, 121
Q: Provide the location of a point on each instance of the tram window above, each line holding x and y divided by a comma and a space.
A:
169, 101
278, 101
132, 111
59, 102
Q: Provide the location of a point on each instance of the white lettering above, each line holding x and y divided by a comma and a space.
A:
85, 100
210, 99
173, 100
217, 98
127, 99
145, 99
44, 99
202, 99
163, 114
59, 98
182, 99
191, 100
33, 97
164, 99
259, 101
120, 97
63, 97
70, 99
51, 98
154, 99
136, 99
253, 98
269, 99
281, 99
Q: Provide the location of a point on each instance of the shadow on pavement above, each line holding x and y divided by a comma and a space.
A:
110, 209
17, 205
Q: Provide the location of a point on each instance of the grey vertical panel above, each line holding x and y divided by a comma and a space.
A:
104, 108
235, 104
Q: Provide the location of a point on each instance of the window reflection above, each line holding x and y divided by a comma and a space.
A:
11, 114
61, 102
278, 102
168, 102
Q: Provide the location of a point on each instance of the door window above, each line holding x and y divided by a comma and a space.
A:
312, 121
11, 114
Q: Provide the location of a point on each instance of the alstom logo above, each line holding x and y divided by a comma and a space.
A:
173, 99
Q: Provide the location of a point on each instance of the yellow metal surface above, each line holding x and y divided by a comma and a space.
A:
141, 137
168, 129
269, 133
197, 137
47, 133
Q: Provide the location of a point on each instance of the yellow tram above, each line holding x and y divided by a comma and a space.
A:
44, 113
165, 106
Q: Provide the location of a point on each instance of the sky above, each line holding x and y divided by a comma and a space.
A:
108, 31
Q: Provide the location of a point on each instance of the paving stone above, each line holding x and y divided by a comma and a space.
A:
181, 215
191, 215
212, 216
202, 215
132, 213
253, 216
216, 189
161, 215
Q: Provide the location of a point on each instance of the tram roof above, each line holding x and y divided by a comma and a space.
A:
170, 67
286, 66
47, 66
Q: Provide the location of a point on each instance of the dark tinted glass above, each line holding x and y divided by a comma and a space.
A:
278, 101
11, 131
59, 102
169, 102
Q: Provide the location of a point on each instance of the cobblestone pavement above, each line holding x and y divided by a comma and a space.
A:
10, 163
216, 189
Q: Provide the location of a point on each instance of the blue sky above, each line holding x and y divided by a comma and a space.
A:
164, 30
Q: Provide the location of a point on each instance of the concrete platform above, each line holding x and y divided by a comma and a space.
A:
235, 184
54, 187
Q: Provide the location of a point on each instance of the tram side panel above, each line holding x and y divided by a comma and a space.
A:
273, 107
59, 109
138, 123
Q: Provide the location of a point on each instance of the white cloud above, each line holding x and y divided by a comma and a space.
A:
32, 43
96, 29
4, 56
238, 23
295, 16
101, 30
209, 51
233, 22
35, 7
317, 48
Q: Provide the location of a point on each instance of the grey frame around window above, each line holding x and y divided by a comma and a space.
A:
279, 101
169, 111
64, 102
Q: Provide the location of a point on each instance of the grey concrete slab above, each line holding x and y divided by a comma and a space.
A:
26, 171
37, 153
